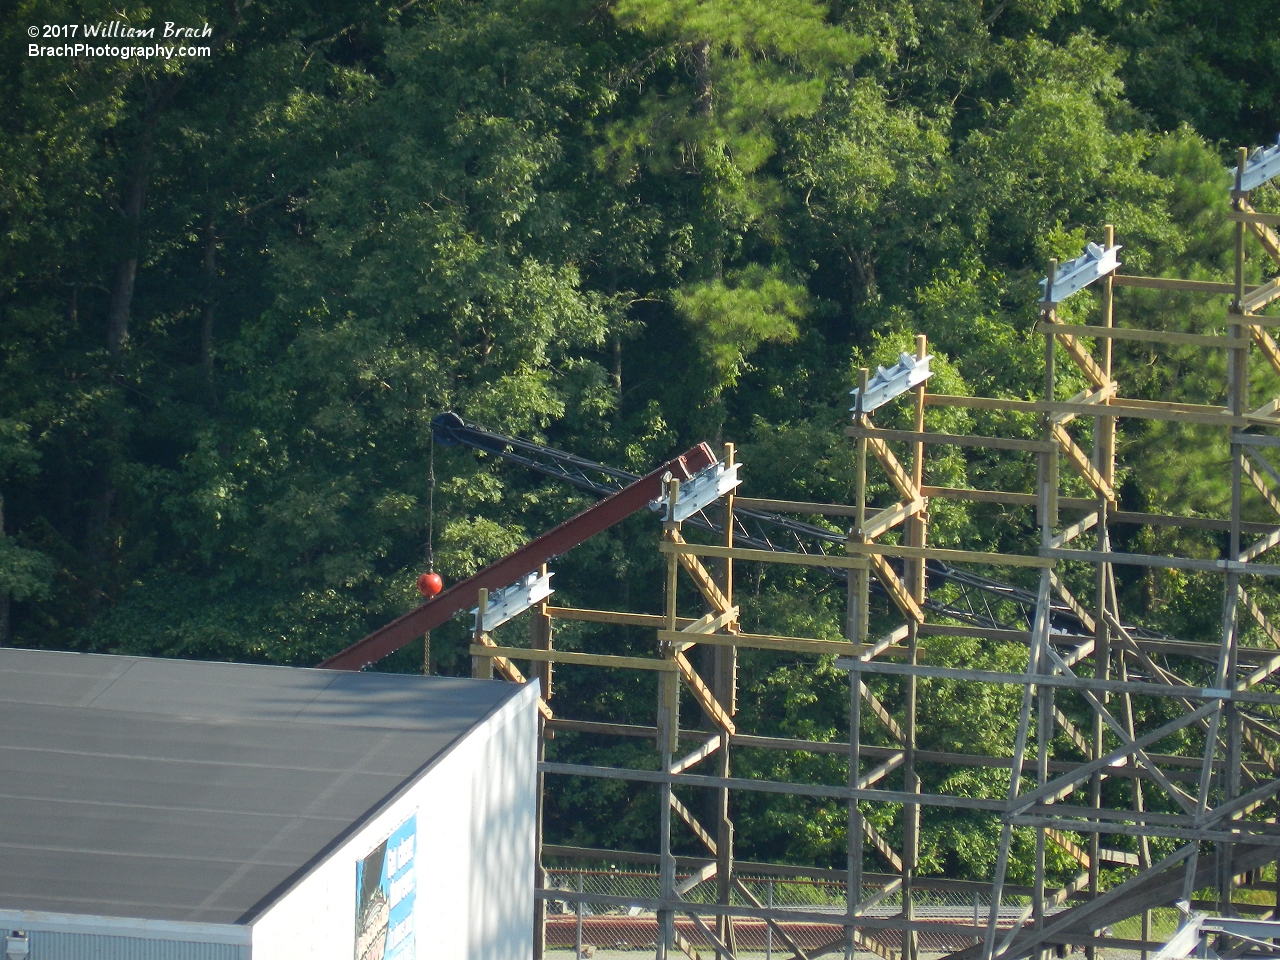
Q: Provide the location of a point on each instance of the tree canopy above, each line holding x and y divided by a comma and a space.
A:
235, 290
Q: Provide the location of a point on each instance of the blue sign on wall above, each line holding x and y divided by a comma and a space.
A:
386, 888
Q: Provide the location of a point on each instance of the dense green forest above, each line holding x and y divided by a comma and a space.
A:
235, 290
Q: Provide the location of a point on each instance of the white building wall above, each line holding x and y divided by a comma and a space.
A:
476, 816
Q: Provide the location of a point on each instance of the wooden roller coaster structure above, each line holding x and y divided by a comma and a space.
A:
1071, 784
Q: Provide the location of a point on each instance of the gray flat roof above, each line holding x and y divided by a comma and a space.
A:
195, 791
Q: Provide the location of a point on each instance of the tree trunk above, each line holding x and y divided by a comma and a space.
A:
702, 78
617, 367
127, 269
206, 310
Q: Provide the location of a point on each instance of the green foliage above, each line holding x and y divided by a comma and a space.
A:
621, 229
734, 316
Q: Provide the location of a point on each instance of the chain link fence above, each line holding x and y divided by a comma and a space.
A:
577, 928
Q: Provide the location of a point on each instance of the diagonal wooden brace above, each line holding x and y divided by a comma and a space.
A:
706, 699
1256, 479
512, 673
881, 714
1260, 546
1268, 346
1066, 843
1069, 599
1084, 359
1073, 734
1080, 460
795, 948
1093, 395
890, 517
692, 823
1255, 300
898, 474
881, 845
702, 578
712, 622
896, 589
1266, 236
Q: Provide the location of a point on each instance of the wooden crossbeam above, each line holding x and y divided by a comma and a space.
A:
896, 589
756, 641
949, 555
763, 556
652, 620
951, 440
504, 655
1080, 460
1152, 336
702, 693
1172, 283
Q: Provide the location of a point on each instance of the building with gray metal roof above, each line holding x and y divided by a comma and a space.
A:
233, 810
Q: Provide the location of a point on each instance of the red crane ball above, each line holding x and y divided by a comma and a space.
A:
429, 584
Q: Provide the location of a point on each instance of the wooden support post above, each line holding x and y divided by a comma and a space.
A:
539, 871
1044, 733
1238, 402
481, 667
1104, 460
668, 732
1044, 694
540, 635
1050, 518
1039, 643
854, 825
540, 638
856, 627
915, 576
857, 615
725, 690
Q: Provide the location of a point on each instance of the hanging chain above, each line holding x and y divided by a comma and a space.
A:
431, 505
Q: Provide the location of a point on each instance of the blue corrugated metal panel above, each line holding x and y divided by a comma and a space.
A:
83, 946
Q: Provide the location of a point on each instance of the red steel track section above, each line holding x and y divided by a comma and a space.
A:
465, 593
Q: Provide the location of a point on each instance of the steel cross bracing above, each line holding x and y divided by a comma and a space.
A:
977, 597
